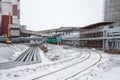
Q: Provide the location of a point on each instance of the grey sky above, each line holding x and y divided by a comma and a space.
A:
48, 14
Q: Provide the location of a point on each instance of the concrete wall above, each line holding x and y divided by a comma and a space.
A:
112, 11
6, 7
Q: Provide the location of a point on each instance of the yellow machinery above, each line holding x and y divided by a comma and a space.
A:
9, 39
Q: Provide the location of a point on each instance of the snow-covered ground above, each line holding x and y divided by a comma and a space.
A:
60, 57
10, 52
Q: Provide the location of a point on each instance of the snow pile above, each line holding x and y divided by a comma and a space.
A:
29, 72
10, 52
3, 45
107, 69
57, 52
43, 58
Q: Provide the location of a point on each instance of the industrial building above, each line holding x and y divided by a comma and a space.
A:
103, 35
112, 11
11, 7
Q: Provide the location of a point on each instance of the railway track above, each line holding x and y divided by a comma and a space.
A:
56, 75
83, 57
29, 56
72, 76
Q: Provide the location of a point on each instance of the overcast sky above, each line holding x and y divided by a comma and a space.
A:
49, 14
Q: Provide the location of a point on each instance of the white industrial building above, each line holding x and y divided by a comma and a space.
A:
112, 11
12, 7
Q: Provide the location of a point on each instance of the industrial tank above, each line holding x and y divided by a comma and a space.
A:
112, 11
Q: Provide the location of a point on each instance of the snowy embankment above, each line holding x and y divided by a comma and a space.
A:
107, 69
29, 72
10, 52
61, 52
59, 57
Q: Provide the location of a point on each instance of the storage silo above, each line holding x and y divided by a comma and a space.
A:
112, 11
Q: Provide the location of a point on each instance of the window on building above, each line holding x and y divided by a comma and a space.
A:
14, 10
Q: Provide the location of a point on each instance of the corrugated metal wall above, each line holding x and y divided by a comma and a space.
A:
4, 24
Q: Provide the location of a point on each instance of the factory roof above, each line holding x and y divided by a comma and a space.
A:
97, 25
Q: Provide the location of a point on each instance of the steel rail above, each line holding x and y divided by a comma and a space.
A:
30, 54
25, 55
87, 67
63, 68
22, 55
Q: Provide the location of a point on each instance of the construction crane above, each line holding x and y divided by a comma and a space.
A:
9, 39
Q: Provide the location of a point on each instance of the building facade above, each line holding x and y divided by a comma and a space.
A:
103, 35
112, 11
12, 7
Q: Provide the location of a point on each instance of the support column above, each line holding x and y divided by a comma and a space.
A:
105, 44
119, 44
112, 44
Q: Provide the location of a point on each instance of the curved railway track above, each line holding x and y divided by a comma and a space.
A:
32, 55
70, 77
65, 69
82, 57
